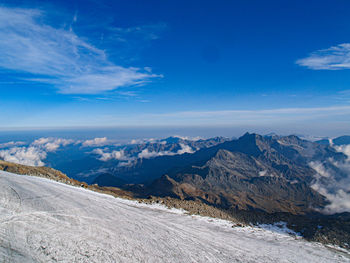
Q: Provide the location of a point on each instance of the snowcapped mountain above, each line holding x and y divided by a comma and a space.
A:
45, 221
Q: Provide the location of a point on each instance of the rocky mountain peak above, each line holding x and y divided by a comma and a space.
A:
173, 139
250, 143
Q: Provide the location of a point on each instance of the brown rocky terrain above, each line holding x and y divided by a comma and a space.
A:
314, 227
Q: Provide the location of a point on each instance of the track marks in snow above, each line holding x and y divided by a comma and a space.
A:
60, 223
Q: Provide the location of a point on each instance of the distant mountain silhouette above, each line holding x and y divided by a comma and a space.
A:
342, 140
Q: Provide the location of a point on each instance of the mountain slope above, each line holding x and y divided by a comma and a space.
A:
267, 173
45, 221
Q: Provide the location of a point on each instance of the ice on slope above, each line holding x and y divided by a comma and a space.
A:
45, 221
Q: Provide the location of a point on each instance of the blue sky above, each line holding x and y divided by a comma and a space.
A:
279, 65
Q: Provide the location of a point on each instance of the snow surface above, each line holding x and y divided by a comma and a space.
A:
45, 221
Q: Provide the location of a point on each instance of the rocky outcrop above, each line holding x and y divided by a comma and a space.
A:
45, 172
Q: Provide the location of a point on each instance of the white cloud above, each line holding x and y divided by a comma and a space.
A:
35, 153
114, 155
147, 154
344, 149
320, 169
333, 58
11, 144
41, 141
339, 200
24, 155
59, 56
106, 156
334, 184
51, 144
96, 142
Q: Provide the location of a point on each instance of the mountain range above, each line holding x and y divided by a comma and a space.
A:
120, 161
268, 173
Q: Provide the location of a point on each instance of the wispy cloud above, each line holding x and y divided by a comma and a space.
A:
332, 180
333, 58
267, 111
146, 154
59, 57
36, 152
116, 155
33, 154
11, 144
146, 32
51, 144
96, 142
24, 155
247, 116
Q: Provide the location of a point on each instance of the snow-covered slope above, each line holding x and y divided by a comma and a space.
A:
45, 221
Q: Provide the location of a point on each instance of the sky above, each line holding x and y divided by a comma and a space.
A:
258, 65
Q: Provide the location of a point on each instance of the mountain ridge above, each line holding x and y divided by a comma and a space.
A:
252, 172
